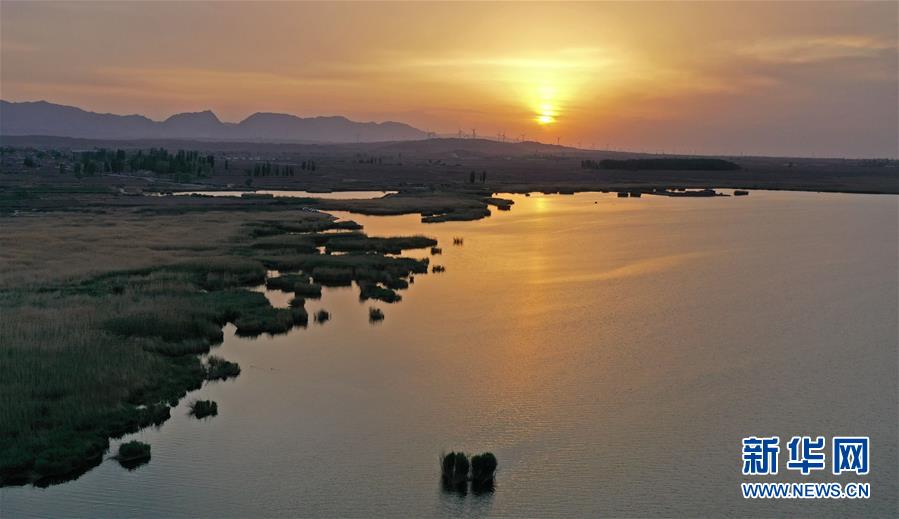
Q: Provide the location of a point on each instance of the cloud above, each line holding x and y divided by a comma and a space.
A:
816, 49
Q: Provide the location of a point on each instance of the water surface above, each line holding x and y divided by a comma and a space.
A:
611, 352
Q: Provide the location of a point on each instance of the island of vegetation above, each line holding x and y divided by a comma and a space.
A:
203, 408
133, 453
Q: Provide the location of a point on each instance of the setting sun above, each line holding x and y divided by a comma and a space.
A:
545, 108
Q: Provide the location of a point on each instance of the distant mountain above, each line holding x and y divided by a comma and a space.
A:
43, 118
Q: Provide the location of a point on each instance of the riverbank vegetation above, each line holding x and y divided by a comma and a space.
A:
103, 315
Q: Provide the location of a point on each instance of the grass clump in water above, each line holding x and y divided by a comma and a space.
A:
285, 282
436, 251
203, 408
300, 316
218, 368
307, 289
483, 468
133, 451
436, 269
368, 290
454, 468
375, 315
322, 316
264, 320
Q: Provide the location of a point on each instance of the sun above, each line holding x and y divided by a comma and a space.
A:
545, 107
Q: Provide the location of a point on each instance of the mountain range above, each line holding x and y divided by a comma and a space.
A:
44, 118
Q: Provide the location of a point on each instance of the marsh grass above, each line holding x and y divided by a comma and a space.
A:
436, 269
299, 283
218, 368
203, 408
103, 316
292, 242
322, 316
393, 245
133, 451
300, 316
269, 320
333, 276
131, 338
483, 468
375, 315
454, 468
368, 290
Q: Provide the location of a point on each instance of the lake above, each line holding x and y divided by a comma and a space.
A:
611, 352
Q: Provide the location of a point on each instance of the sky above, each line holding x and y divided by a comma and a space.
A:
796, 78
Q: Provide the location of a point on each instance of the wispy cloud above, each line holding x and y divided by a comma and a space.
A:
815, 49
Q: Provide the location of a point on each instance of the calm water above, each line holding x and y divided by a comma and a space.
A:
612, 355
333, 195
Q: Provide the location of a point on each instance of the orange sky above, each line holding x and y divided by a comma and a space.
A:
763, 78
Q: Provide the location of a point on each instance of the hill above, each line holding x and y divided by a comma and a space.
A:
44, 118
